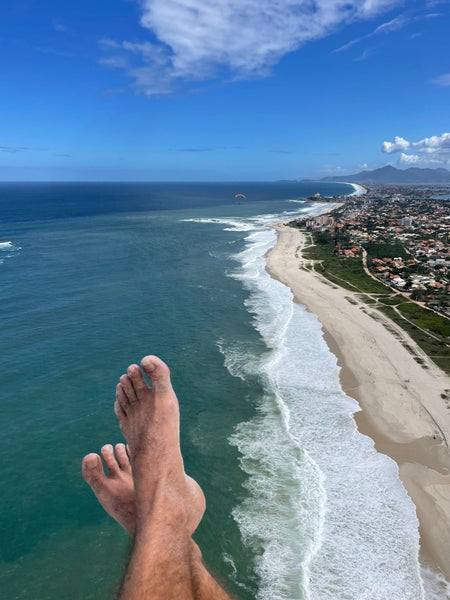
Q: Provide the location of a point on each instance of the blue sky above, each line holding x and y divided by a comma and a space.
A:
179, 90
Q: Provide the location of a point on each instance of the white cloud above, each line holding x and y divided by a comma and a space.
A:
429, 151
408, 159
196, 40
398, 144
434, 144
442, 80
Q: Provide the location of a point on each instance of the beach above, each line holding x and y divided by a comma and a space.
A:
402, 409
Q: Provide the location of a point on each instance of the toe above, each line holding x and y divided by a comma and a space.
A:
122, 457
137, 380
158, 373
109, 458
120, 407
92, 470
128, 389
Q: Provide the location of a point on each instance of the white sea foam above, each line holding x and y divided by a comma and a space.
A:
326, 515
235, 224
436, 585
8, 249
8, 246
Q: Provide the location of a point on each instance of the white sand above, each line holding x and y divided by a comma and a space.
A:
402, 408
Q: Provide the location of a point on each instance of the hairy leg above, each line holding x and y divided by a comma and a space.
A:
115, 492
165, 562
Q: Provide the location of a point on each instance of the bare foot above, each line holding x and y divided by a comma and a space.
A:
149, 420
115, 491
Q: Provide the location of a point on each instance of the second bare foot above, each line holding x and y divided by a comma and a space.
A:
115, 491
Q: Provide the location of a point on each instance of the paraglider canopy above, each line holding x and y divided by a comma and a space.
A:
240, 196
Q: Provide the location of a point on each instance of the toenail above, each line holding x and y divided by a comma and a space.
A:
91, 461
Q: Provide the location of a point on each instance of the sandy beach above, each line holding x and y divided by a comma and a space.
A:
402, 409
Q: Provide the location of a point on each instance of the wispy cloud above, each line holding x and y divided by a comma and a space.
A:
442, 80
17, 149
198, 149
433, 150
396, 24
392, 25
234, 39
54, 51
59, 26
14, 149
281, 151
364, 55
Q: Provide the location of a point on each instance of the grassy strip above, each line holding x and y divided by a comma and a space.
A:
392, 300
426, 319
436, 350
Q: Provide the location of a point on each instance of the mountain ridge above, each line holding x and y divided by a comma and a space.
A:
391, 175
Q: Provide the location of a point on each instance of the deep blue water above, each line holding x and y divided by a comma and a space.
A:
95, 276
38, 201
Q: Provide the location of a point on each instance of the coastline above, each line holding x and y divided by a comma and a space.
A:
359, 189
401, 405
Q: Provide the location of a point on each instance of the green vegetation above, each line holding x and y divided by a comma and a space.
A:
385, 250
426, 319
392, 300
436, 349
349, 274
346, 272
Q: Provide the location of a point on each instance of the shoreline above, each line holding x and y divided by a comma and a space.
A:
359, 189
401, 408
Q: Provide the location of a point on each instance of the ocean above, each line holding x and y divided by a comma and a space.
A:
94, 277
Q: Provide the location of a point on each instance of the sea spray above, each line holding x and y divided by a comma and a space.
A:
326, 514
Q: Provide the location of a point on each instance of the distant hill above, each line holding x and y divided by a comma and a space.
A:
390, 174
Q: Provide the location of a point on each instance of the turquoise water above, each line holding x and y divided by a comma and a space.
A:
96, 276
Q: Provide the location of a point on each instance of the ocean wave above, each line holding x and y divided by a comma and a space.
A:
8, 250
326, 514
436, 585
233, 224
8, 247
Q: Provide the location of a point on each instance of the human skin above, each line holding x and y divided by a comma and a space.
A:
148, 492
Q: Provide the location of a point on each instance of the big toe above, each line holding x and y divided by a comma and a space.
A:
92, 470
158, 373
